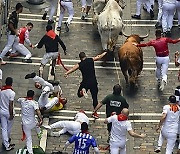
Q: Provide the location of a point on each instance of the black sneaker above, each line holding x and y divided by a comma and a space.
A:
82, 17
58, 29
50, 22
136, 16
32, 75
27, 60
157, 150
66, 27
151, 14
44, 16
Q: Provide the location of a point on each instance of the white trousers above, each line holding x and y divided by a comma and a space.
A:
171, 139
73, 127
48, 56
138, 6
10, 41
118, 147
178, 10
162, 64
168, 10
70, 9
85, 3
51, 103
6, 127
21, 49
27, 130
159, 17
52, 8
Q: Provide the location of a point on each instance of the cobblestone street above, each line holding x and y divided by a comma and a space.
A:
145, 103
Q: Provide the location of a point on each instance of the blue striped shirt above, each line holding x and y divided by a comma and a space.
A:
82, 143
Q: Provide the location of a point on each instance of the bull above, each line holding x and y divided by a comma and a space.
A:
109, 22
131, 58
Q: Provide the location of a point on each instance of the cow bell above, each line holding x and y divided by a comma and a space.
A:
35, 6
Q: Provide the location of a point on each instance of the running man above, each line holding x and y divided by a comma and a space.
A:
160, 45
89, 82
120, 127
168, 125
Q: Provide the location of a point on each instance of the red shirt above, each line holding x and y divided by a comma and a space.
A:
22, 35
160, 45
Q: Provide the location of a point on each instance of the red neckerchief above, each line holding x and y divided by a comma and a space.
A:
122, 117
29, 98
6, 87
174, 107
86, 132
51, 34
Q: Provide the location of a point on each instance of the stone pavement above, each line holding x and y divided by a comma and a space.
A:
84, 37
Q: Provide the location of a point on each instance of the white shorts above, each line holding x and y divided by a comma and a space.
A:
48, 56
85, 3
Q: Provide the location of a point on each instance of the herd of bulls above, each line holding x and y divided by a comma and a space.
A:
108, 18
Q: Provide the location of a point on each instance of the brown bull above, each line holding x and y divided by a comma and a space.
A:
131, 59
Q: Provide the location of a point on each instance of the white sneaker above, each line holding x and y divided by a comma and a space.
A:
163, 83
54, 134
9, 148
84, 93
46, 127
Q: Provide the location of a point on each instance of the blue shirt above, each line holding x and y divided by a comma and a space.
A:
82, 143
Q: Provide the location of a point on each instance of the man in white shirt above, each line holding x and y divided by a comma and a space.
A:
168, 125
120, 127
47, 88
28, 109
73, 127
7, 96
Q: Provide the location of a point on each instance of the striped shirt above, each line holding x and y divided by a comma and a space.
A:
83, 142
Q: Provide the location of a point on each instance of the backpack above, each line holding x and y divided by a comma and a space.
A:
36, 150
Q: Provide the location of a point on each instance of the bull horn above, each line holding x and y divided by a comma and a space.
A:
126, 35
145, 36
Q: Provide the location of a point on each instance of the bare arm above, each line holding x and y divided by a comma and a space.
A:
133, 134
98, 57
161, 121
75, 67
11, 104
176, 59
39, 116
106, 121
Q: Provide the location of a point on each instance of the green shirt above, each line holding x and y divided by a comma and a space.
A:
114, 103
